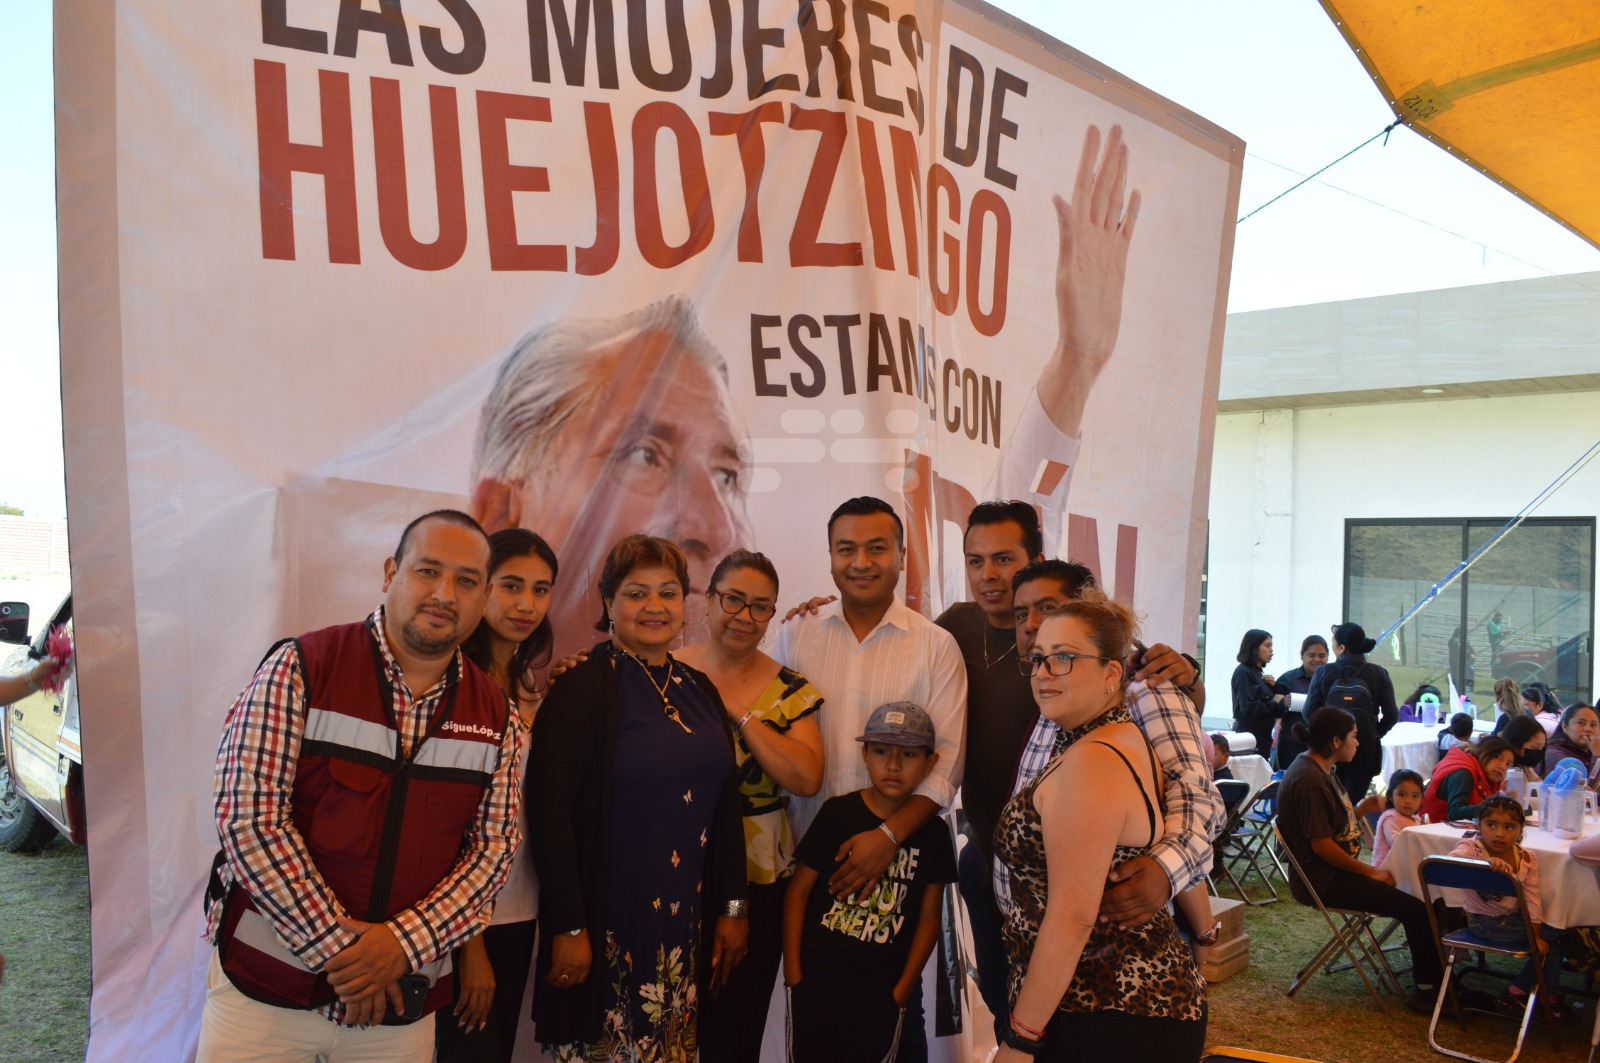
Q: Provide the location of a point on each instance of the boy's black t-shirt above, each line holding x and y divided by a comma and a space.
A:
868, 941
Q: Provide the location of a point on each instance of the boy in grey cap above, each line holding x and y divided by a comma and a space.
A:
850, 967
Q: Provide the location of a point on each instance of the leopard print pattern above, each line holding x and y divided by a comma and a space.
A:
1147, 970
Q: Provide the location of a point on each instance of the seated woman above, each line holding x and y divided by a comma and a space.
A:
1527, 740
1542, 706
1507, 702
633, 821
1313, 655
779, 745
1085, 989
1256, 705
1319, 827
1575, 737
1465, 778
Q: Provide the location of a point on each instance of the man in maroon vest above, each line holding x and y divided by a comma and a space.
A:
367, 810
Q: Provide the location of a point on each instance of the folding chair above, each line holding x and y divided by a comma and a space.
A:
1263, 812
1249, 1055
1241, 843
1351, 935
1459, 872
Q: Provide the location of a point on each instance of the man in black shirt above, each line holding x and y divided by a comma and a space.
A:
1001, 538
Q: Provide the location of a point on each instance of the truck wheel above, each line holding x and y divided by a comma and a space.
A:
22, 828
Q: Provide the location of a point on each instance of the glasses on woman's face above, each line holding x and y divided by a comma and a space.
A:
734, 604
1057, 664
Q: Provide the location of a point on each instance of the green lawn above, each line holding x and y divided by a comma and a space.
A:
44, 937
1332, 1019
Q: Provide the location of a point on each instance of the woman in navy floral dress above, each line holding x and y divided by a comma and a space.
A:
634, 821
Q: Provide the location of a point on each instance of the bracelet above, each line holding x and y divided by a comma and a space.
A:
1026, 1030
1015, 1041
746, 718
1209, 938
884, 826
1196, 666
736, 910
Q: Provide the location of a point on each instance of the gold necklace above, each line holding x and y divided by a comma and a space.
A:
986, 662
667, 707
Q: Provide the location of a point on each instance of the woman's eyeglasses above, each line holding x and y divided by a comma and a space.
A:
733, 605
1057, 664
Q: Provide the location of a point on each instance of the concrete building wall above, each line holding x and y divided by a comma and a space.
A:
1285, 481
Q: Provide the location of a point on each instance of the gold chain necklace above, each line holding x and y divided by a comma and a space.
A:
987, 664
667, 707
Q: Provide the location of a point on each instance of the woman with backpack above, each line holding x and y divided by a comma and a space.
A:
1365, 691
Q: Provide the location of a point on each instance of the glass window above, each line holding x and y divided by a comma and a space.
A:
1525, 609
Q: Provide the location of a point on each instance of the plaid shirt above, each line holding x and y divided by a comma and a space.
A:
1194, 811
254, 780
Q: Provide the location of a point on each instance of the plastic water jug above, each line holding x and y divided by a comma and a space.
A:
1430, 714
1516, 786
1562, 814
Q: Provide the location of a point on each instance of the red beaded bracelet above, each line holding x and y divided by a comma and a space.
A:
1026, 1030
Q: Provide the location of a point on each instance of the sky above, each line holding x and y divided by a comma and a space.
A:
1391, 218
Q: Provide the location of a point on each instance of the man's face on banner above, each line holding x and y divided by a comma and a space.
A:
658, 453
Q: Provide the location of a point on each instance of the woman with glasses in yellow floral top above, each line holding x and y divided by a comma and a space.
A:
779, 749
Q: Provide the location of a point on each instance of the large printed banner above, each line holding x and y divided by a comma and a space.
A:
700, 268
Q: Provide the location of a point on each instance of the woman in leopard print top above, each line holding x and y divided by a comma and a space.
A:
1093, 991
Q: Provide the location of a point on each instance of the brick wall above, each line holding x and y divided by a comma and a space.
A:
33, 544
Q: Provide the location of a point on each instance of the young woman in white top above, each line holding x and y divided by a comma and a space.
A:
511, 643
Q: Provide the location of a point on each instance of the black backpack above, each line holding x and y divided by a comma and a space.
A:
1351, 694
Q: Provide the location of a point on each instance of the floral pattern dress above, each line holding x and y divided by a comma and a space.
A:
668, 772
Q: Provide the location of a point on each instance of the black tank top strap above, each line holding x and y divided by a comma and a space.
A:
1149, 809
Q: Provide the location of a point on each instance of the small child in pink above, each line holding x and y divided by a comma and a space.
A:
1491, 916
1405, 798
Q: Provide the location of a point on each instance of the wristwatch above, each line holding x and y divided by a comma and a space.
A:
1012, 1039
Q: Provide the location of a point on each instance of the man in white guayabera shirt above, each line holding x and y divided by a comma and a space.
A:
864, 650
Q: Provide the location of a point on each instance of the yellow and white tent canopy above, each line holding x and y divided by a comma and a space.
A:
1511, 87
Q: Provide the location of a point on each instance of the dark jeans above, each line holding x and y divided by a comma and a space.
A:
1341, 889
839, 1021
1098, 1036
733, 1020
989, 952
510, 949
913, 1033
1508, 930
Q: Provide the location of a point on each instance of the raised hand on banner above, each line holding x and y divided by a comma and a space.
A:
1096, 228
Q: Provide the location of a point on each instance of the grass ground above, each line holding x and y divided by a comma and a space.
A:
44, 937
1333, 1019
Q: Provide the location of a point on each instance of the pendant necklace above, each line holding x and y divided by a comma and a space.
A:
667, 707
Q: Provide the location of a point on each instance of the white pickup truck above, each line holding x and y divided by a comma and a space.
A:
41, 755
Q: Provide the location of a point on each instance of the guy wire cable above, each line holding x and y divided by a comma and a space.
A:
1455, 573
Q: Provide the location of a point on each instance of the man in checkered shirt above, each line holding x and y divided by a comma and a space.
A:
367, 811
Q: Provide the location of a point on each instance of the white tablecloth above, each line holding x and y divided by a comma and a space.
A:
1251, 768
1409, 745
1570, 891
